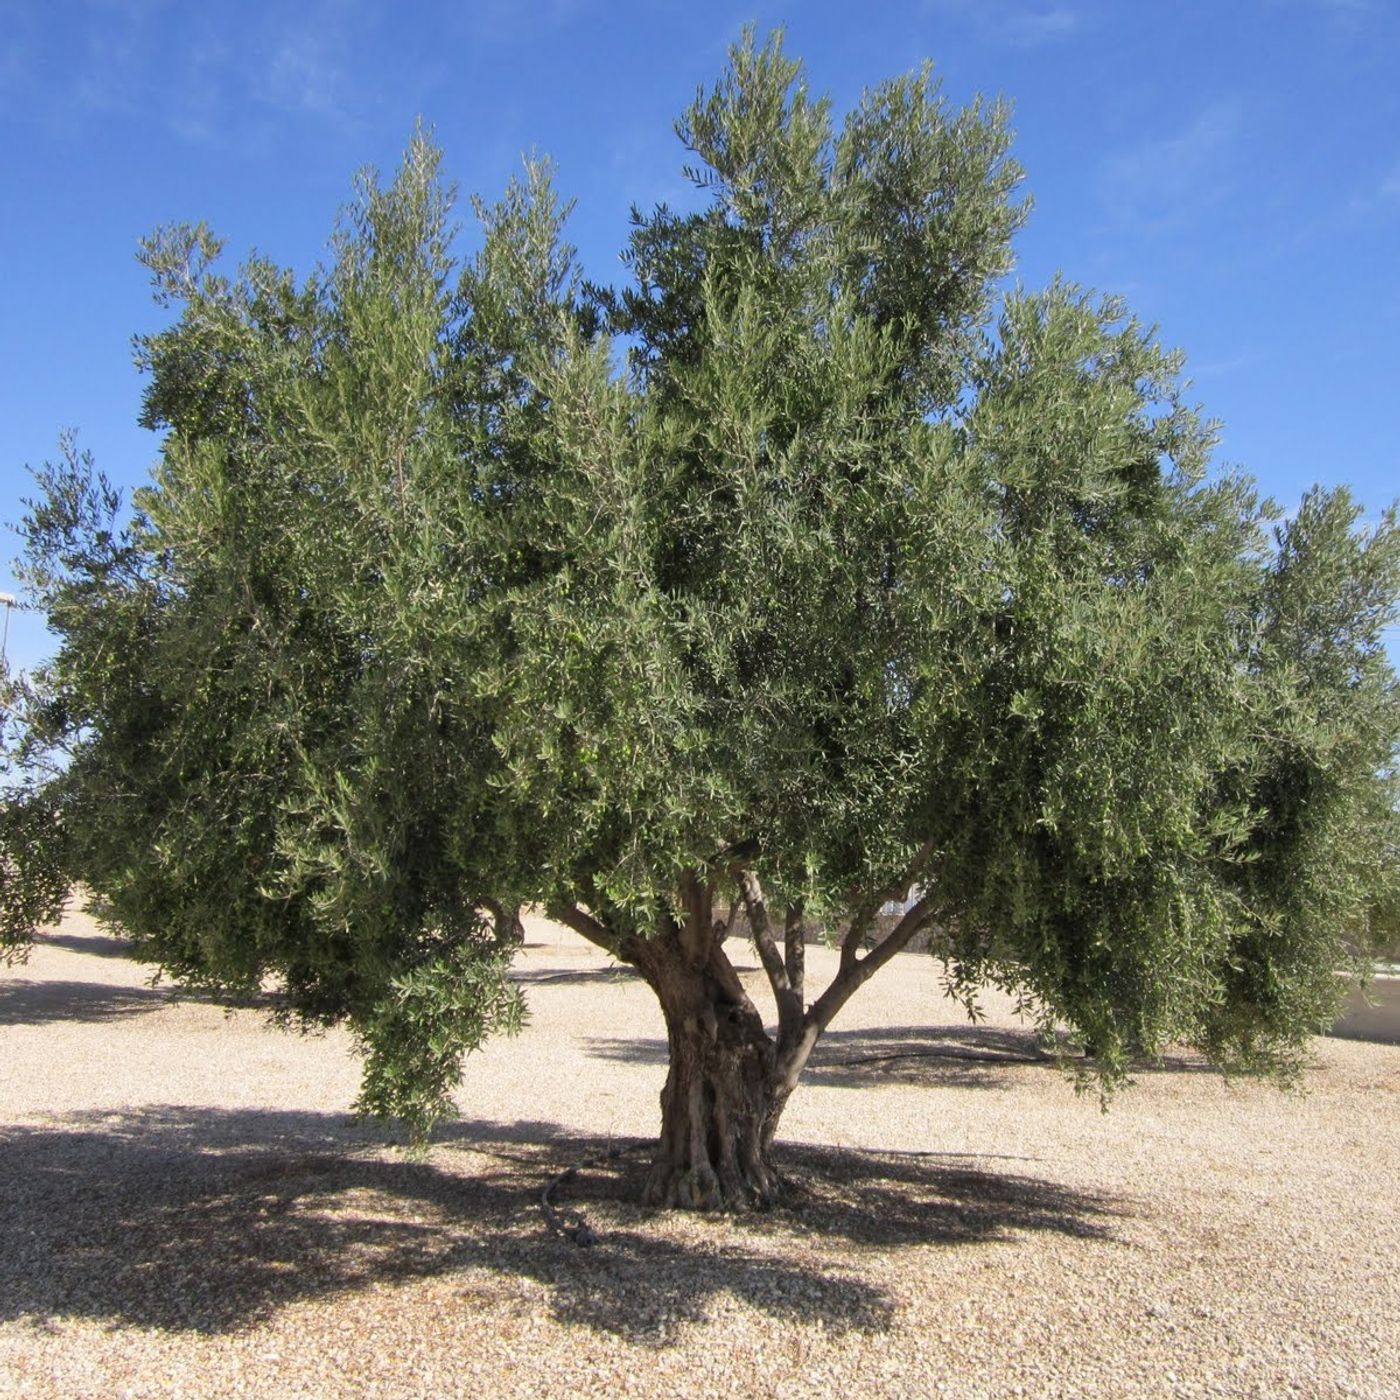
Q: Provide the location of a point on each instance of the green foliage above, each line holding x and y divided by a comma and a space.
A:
33, 879
435, 606
415, 1037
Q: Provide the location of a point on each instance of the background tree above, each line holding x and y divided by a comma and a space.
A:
842, 590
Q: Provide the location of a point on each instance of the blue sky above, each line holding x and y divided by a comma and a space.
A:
1231, 166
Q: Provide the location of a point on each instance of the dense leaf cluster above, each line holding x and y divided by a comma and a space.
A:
465, 586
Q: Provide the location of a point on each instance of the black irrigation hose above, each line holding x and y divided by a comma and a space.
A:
573, 1225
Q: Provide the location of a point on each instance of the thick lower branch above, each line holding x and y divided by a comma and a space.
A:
787, 997
867, 910
795, 1048
859, 971
509, 928
795, 952
696, 931
855, 933
586, 926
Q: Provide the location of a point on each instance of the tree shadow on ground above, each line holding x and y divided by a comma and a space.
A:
25, 1003
97, 945
953, 1056
613, 972
210, 1220
958, 1055
950, 1056
870, 1198
962, 1055
619, 973
38, 1003
883, 1199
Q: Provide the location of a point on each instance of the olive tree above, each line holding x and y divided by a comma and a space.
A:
810, 572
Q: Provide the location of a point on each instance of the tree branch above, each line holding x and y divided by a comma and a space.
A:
897, 889
735, 850
855, 974
723, 972
507, 921
752, 893
723, 931
696, 932
855, 932
789, 1003
795, 950
583, 924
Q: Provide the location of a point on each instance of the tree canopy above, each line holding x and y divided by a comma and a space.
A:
813, 569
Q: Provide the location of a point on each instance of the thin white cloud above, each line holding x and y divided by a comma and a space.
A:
20, 52
198, 98
1343, 15
1012, 22
111, 74
1225, 364
304, 73
303, 62
1030, 28
1382, 196
209, 75
129, 11
500, 21
1153, 182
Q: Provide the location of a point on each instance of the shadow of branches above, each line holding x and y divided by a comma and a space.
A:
956, 1056
951, 1056
619, 972
95, 945
25, 1003
209, 1220
890, 1199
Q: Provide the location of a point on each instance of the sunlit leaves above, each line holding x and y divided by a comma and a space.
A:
442, 601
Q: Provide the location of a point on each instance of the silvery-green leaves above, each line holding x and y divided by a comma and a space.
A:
464, 584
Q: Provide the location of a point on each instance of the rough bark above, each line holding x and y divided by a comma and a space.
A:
728, 1080
719, 1106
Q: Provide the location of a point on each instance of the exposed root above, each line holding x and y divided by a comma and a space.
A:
699, 1185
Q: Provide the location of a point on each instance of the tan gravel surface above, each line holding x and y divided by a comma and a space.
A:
188, 1209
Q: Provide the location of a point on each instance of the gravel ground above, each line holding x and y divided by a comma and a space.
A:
188, 1209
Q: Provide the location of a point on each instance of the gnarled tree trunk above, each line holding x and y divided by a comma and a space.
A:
729, 1080
719, 1110
722, 1099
